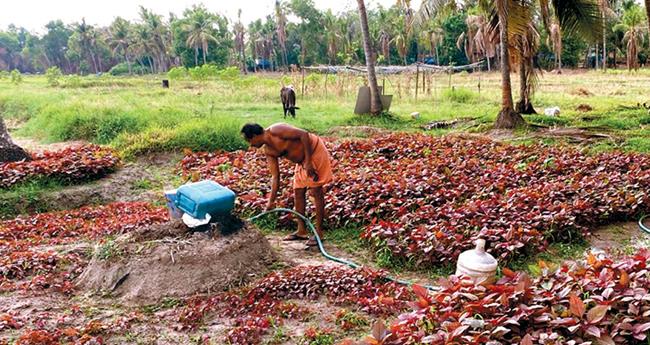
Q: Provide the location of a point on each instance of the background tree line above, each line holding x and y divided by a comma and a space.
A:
299, 33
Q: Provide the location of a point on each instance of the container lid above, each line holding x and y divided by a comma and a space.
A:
477, 259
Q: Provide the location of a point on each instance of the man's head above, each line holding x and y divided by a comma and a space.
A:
254, 134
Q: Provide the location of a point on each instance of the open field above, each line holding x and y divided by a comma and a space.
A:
135, 115
75, 226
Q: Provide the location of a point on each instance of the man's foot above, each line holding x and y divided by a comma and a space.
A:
295, 237
311, 243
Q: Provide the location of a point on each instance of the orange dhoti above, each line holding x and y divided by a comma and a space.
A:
321, 160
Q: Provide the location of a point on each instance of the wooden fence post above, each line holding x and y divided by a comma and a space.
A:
302, 88
417, 80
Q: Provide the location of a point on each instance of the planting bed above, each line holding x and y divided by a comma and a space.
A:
72, 164
29, 255
427, 198
167, 261
50, 279
599, 302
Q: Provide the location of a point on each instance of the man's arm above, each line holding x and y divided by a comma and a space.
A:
275, 180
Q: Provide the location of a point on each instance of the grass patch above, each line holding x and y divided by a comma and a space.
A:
166, 303
554, 256
547, 120
26, 197
137, 116
459, 95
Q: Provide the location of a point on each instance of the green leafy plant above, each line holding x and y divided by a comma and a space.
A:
53, 76
16, 77
177, 73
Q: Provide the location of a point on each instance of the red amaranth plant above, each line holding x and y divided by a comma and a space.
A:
604, 301
429, 198
265, 303
69, 165
24, 267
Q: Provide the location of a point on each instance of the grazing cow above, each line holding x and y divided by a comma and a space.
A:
288, 97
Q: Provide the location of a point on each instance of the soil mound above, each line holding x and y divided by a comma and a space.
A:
584, 108
168, 260
581, 91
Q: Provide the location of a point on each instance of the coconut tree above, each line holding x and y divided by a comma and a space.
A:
332, 35
375, 100
633, 26
158, 31
647, 11
509, 17
142, 45
527, 45
484, 40
84, 35
575, 16
467, 40
435, 37
200, 31
554, 40
281, 21
240, 45
119, 39
606, 12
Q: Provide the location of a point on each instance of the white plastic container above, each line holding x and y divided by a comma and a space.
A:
477, 264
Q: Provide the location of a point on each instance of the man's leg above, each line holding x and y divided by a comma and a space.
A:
319, 204
299, 198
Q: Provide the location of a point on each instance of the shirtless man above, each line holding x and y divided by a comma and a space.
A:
312, 170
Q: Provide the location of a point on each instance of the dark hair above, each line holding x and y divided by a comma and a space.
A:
250, 130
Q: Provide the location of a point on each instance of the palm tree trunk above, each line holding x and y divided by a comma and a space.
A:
128, 63
196, 56
507, 117
596, 55
375, 100
286, 60
647, 11
605, 41
205, 52
525, 106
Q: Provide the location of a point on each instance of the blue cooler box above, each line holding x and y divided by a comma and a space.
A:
205, 197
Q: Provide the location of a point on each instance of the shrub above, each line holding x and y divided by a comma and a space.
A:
109, 127
459, 95
229, 73
72, 126
73, 81
204, 72
123, 69
4, 74
16, 77
196, 135
53, 74
177, 73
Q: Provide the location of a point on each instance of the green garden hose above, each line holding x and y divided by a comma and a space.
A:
322, 249
642, 226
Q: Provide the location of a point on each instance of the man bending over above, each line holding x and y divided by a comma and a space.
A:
312, 171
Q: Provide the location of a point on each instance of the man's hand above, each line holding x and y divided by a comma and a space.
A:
311, 171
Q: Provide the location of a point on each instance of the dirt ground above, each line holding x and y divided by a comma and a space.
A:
619, 238
171, 261
151, 270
